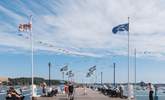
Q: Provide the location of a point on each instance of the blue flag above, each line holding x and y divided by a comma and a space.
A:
119, 28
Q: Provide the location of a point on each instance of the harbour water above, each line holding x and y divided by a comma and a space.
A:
140, 94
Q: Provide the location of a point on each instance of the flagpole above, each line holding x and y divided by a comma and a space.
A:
101, 78
114, 77
63, 75
128, 60
135, 70
32, 58
95, 76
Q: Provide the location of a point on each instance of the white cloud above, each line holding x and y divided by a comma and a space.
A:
84, 27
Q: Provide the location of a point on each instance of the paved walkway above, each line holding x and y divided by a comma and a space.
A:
92, 95
79, 95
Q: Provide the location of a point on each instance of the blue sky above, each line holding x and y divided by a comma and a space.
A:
79, 33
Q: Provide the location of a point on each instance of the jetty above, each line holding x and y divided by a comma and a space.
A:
79, 95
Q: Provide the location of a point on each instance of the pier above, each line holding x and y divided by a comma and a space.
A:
79, 95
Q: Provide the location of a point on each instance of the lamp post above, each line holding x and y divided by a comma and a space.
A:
49, 65
101, 78
114, 74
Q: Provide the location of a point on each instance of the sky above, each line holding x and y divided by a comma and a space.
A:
79, 33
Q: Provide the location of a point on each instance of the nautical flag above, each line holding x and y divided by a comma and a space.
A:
92, 69
26, 27
121, 27
65, 68
69, 72
71, 75
88, 74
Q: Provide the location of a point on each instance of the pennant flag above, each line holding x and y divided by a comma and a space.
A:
121, 27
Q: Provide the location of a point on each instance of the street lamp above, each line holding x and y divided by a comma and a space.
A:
114, 66
49, 65
101, 78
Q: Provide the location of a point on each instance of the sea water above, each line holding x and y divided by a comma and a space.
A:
144, 95
140, 94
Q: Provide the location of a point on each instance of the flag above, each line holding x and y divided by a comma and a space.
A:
71, 75
65, 68
88, 74
25, 27
69, 72
92, 69
121, 27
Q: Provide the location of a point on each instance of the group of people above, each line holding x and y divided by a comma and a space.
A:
12, 94
48, 92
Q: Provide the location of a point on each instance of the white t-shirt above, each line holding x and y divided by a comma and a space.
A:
151, 87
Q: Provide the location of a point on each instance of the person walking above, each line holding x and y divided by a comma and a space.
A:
151, 91
70, 92
44, 89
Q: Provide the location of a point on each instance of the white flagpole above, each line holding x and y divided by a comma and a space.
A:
128, 61
32, 57
95, 76
135, 70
